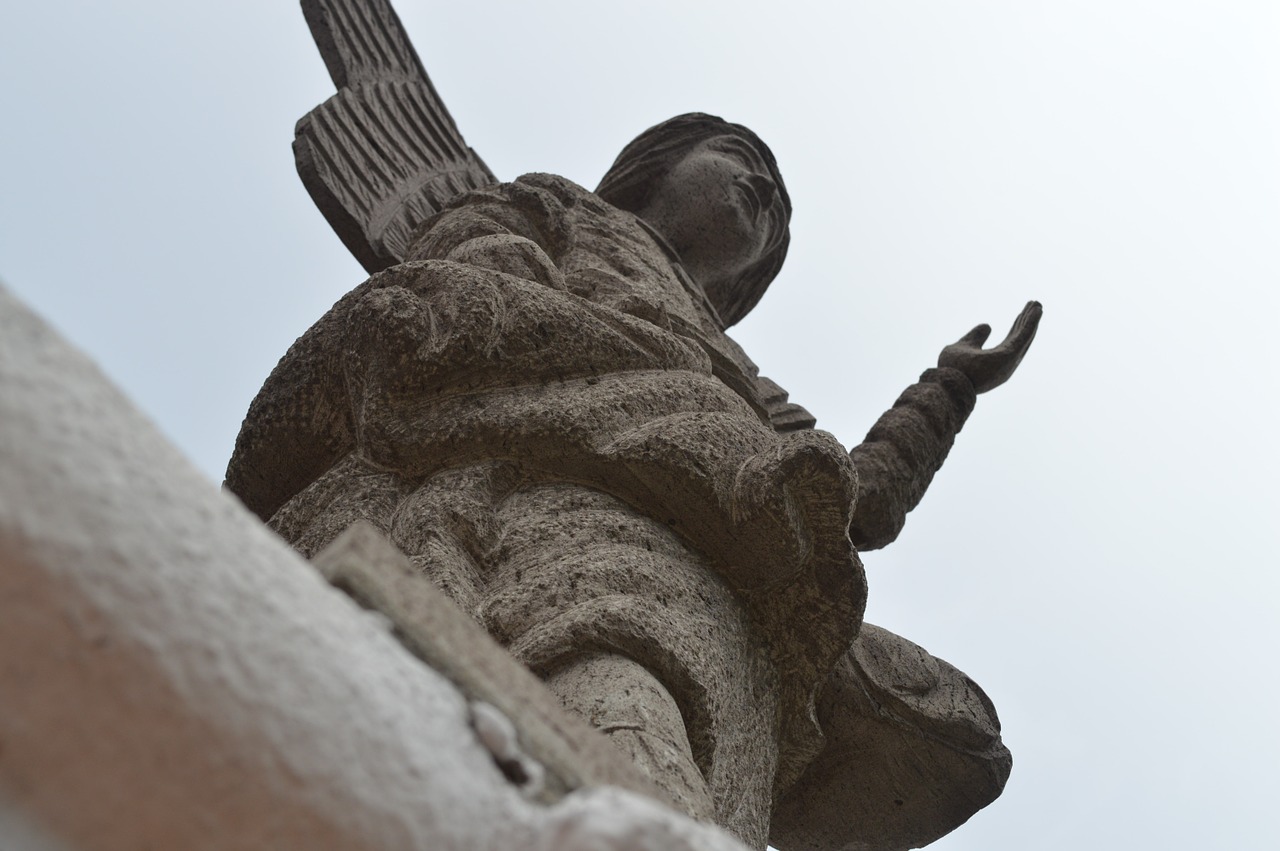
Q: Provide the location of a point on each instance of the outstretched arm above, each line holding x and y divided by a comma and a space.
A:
908, 444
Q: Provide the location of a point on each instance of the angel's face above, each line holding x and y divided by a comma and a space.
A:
718, 207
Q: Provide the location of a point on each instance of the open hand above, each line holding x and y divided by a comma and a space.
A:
988, 368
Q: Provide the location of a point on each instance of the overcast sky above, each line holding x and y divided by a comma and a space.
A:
1099, 552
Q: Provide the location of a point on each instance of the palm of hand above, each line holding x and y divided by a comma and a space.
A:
989, 368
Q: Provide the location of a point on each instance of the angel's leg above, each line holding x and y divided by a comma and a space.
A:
626, 702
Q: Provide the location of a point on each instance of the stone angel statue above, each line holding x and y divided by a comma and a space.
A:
535, 398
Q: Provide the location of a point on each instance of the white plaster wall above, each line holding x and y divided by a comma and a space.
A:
173, 676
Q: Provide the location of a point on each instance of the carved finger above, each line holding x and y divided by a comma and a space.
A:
976, 337
1024, 327
1030, 315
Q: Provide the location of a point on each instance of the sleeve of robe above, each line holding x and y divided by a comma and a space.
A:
913, 749
903, 450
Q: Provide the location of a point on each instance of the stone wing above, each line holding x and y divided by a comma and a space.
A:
383, 154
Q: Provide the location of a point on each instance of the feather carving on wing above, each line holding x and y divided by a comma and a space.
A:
383, 154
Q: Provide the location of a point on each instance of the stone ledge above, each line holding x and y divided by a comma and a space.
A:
363, 563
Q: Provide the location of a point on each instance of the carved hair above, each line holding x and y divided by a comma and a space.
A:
640, 166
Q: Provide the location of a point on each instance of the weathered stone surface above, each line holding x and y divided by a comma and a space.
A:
927, 746
572, 755
580, 479
541, 409
173, 676
583, 462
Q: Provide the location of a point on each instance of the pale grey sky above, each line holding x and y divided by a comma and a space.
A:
1100, 550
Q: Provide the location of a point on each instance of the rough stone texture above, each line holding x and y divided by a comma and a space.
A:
606, 492
913, 741
538, 410
173, 676
541, 409
571, 755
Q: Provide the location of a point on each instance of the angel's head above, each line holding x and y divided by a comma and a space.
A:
713, 190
